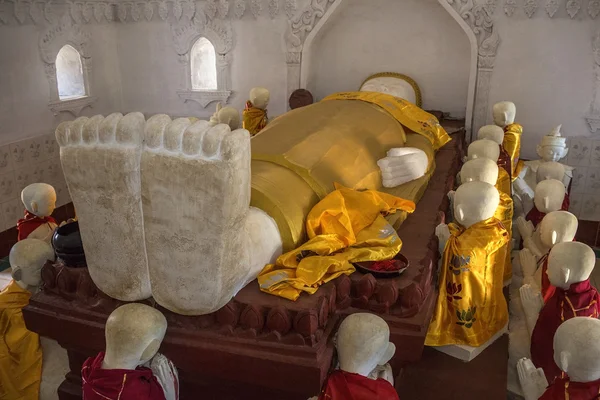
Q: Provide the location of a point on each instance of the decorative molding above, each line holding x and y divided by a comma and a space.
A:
204, 97
273, 8
593, 117
239, 8
594, 8
573, 7
509, 7
290, 8
530, 7
74, 106
256, 7
223, 8
552, 7
211, 8
490, 6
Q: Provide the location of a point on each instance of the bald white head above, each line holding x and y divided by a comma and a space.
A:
134, 333
479, 170
549, 195
577, 349
39, 199
27, 257
363, 343
259, 97
550, 170
558, 227
484, 148
491, 132
475, 202
504, 113
569, 263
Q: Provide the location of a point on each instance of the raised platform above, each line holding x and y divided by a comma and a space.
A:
260, 345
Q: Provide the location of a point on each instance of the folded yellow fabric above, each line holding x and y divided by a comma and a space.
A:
347, 226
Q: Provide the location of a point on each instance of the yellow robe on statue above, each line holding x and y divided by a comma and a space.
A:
254, 119
512, 144
345, 227
20, 351
503, 183
504, 213
470, 307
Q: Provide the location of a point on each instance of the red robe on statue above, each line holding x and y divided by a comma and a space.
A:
348, 386
536, 216
114, 384
29, 223
563, 389
580, 300
504, 161
547, 288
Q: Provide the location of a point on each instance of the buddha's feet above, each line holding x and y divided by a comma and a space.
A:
101, 162
196, 196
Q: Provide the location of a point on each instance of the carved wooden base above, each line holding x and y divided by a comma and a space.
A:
260, 346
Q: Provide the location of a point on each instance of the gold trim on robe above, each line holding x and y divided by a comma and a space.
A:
512, 144
470, 307
345, 227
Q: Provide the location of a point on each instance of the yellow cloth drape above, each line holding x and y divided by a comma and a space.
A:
504, 213
512, 144
503, 183
20, 351
346, 226
408, 114
254, 119
470, 308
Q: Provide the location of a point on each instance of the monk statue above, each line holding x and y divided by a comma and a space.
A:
552, 149
364, 350
20, 350
216, 210
504, 116
225, 115
39, 200
496, 134
255, 113
576, 351
131, 368
489, 149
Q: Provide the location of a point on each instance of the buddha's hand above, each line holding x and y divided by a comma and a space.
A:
402, 165
528, 262
533, 381
525, 227
166, 374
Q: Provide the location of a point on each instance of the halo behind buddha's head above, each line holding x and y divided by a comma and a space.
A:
395, 84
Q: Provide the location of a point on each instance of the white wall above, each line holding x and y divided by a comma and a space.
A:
415, 37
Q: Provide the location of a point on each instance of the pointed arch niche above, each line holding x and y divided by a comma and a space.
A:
478, 44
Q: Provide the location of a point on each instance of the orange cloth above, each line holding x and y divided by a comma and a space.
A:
254, 118
20, 351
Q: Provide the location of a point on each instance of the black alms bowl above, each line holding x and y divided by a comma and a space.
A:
68, 246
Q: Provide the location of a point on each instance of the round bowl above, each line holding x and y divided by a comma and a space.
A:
366, 268
68, 245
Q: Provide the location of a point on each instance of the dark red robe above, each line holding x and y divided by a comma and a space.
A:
563, 389
348, 386
547, 288
102, 384
536, 216
580, 300
29, 223
504, 161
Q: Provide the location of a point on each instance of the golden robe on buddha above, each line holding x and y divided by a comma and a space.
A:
504, 213
297, 158
20, 351
470, 307
346, 227
512, 144
254, 119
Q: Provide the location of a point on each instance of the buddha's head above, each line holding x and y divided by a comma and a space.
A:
39, 199
363, 343
27, 257
549, 195
134, 333
550, 170
484, 148
558, 227
259, 97
479, 170
491, 132
577, 349
569, 263
475, 202
553, 146
504, 113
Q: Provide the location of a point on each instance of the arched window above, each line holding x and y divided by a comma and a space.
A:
204, 65
69, 74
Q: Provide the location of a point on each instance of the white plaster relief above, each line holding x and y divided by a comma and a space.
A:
593, 116
273, 8
256, 7
510, 7
136, 13
239, 8
573, 7
148, 11
163, 10
290, 8
211, 8
490, 6
223, 8
530, 7
552, 7
177, 9
122, 12
36, 13
594, 8
20, 7
87, 12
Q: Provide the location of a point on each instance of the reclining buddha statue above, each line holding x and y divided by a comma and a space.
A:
190, 213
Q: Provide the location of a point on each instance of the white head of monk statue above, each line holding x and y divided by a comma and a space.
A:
134, 333
484, 148
549, 195
363, 343
475, 202
479, 170
259, 97
569, 263
27, 257
577, 349
557, 227
504, 113
39, 199
491, 132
